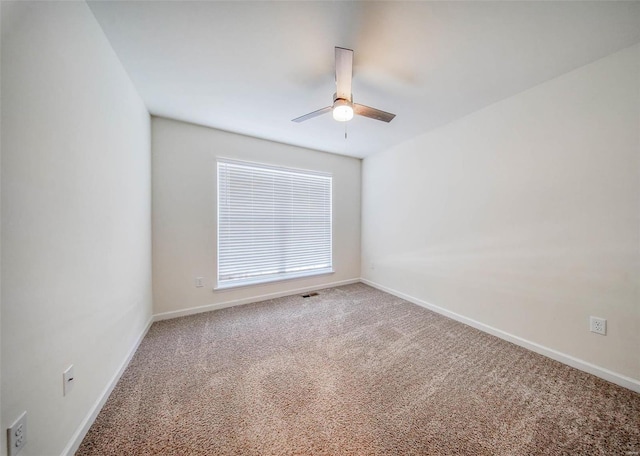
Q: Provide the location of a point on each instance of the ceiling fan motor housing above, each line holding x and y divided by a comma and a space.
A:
336, 98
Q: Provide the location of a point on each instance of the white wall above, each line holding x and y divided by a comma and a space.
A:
184, 212
524, 216
76, 222
3, 442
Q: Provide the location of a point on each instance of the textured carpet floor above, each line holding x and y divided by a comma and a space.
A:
353, 371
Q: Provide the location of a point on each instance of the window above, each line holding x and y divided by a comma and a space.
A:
273, 223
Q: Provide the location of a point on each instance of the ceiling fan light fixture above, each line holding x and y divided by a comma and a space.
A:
342, 111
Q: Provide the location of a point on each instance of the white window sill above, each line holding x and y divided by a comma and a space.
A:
248, 283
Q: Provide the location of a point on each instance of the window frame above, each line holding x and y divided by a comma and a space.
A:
239, 283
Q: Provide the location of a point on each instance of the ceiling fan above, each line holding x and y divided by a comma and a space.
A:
343, 106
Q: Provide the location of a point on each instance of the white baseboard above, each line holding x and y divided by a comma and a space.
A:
239, 302
81, 432
606, 374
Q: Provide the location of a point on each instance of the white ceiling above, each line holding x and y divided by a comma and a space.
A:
251, 67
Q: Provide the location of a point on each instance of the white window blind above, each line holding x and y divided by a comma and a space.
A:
273, 223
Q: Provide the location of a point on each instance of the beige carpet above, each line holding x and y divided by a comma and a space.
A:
353, 371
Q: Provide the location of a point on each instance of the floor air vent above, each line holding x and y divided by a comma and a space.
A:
308, 295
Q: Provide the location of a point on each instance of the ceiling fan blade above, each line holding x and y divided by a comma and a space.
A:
344, 72
373, 113
311, 115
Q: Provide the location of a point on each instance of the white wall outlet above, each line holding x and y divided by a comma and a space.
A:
199, 282
68, 380
598, 325
17, 435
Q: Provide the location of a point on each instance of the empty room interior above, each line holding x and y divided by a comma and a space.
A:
320, 228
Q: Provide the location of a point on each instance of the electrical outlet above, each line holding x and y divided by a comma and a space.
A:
17, 435
199, 282
68, 380
598, 325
